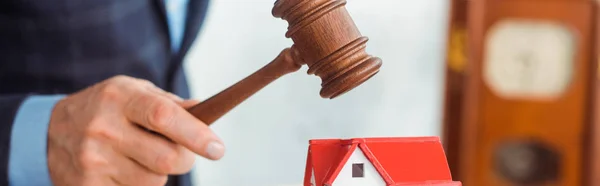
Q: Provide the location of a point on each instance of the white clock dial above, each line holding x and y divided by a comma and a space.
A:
528, 59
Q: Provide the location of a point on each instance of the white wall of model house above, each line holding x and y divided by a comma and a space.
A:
370, 175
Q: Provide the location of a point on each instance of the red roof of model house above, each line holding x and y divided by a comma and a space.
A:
377, 161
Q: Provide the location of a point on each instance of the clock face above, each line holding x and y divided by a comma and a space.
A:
528, 59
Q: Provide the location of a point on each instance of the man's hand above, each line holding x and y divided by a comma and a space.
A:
101, 136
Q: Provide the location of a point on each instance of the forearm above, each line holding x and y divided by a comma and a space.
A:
26, 140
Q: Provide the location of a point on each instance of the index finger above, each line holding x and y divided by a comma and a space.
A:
166, 117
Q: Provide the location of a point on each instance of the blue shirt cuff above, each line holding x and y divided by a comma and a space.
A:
28, 158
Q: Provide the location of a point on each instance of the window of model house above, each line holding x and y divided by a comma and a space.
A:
358, 170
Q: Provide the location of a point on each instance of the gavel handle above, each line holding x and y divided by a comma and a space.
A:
218, 105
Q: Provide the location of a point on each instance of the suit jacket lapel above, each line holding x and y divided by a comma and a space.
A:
195, 18
162, 12
196, 14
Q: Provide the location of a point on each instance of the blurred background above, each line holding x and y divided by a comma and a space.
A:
267, 135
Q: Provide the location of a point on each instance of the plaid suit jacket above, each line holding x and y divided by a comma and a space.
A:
62, 46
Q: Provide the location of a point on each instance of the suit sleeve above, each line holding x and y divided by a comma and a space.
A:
24, 123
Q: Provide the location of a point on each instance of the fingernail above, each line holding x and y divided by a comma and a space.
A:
215, 150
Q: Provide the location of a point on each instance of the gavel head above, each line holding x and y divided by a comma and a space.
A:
329, 42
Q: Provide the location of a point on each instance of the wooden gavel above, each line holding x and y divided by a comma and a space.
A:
325, 38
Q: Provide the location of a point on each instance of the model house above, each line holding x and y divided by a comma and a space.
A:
406, 161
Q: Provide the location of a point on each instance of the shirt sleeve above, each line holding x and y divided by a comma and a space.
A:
28, 158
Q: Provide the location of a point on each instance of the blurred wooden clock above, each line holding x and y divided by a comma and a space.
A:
521, 86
